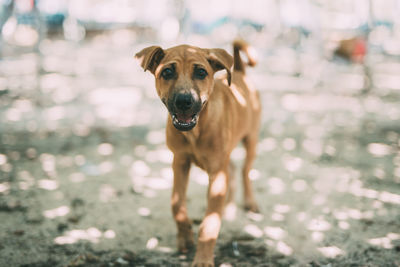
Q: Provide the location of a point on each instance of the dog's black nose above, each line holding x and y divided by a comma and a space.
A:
184, 101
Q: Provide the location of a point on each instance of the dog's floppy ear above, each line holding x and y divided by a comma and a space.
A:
150, 57
220, 59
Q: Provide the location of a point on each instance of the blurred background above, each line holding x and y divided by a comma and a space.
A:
85, 174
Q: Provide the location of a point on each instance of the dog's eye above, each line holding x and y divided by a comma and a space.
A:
167, 73
200, 73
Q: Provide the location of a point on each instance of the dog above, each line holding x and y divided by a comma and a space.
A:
208, 117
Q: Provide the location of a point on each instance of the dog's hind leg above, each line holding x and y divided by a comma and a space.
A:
231, 184
230, 205
250, 144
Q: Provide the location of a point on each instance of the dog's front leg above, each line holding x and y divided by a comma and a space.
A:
209, 228
181, 167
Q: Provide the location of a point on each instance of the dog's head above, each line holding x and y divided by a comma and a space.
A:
184, 78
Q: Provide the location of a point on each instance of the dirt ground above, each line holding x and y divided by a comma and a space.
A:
85, 175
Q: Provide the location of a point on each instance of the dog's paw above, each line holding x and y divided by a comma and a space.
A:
202, 259
251, 206
185, 242
202, 263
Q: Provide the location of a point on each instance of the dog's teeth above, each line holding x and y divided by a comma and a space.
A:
174, 118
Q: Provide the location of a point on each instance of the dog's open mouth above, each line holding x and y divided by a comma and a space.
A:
184, 122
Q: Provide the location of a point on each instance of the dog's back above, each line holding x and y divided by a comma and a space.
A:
242, 99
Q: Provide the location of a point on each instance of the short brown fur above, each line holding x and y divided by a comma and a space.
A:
229, 114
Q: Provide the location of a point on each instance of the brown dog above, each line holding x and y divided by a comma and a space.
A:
208, 118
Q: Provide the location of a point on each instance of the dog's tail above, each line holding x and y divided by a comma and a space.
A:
238, 64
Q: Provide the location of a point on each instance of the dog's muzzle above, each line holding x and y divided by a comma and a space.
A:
184, 109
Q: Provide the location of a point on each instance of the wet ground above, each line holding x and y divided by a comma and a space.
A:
85, 176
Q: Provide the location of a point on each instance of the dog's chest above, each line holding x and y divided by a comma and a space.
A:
191, 138
201, 150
